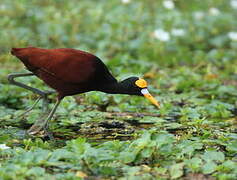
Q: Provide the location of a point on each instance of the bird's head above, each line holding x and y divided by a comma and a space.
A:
138, 86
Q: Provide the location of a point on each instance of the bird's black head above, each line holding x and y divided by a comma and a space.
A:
131, 86
137, 86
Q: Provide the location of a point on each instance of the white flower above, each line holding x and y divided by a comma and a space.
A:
168, 4
233, 4
178, 32
125, 1
161, 35
198, 15
3, 7
3, 146
232, 36
214, 11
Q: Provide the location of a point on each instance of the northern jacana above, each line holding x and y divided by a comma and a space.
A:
71, 72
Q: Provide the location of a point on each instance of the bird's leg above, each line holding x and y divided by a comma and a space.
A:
32, 107
43, 123
11, 79
43, 94
46, 126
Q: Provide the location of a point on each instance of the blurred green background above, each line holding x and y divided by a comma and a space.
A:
185, 49
124, 32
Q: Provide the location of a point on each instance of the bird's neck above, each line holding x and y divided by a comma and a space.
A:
116, 88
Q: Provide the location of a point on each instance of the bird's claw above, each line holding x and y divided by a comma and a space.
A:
40, 129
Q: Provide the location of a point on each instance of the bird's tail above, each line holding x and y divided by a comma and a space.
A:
16, 51
21, 53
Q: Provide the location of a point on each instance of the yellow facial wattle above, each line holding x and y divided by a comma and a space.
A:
141, 83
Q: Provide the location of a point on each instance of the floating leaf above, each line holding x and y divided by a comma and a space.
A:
176, 170
213, 156
209, 167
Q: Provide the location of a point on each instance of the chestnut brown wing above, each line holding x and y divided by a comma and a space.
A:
68, 65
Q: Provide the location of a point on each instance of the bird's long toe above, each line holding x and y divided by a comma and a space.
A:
35, 129
41, 129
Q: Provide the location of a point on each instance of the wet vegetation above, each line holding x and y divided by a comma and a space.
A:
186, 50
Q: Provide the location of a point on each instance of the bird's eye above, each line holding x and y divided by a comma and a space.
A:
141, 83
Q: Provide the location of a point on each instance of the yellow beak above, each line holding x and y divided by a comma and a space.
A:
147, 95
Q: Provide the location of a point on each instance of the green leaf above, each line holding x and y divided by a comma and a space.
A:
176, 170
36, 171
209, 167
163, 139
195, 163
188, 147
78, 145
213, 156
228, 166
232, 146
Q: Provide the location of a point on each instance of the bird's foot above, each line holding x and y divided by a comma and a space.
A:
41, 129
48, 133
35, 129
38, 125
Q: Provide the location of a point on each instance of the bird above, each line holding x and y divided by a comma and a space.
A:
69, 72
